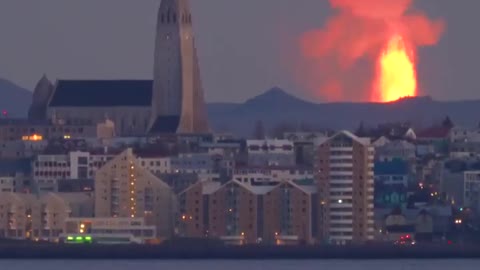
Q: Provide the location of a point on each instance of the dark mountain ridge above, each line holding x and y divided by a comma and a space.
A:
277, 107
13, 99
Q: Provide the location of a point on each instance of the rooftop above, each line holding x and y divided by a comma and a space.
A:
102, 93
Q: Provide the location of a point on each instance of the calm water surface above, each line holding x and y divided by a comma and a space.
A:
241, 265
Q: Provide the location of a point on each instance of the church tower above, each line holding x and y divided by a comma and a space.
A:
177, 100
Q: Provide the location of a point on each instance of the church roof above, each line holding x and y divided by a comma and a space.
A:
165, 124
102, 93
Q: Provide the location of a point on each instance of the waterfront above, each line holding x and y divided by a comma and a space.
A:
239, 264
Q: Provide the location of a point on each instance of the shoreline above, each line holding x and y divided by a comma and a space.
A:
206, 252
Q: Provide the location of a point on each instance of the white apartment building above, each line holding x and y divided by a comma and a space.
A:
463, 134
47, 169
273, 174
270, 152
471, 193
156, 165
7, 184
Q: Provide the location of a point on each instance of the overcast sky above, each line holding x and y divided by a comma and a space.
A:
245, 46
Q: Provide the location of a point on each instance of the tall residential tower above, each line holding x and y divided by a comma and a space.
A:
344, 175
177, 98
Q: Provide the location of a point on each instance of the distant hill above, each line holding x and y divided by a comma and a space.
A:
14, 99
276, 107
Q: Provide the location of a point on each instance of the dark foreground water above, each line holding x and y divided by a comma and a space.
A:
241, 265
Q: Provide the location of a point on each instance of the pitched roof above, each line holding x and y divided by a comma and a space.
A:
434, 132
102, 93
361, 140
165, 124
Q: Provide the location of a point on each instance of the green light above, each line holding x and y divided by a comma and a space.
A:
88, 238
70, 238
79, 238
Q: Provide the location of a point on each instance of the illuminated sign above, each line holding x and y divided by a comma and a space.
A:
79, 240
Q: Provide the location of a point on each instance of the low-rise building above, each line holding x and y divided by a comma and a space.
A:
15, 175
49, 168
110, 230
395, 150
24, 129
270, 153
258, 175
28, 216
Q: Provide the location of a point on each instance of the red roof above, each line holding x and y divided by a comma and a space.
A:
434, 132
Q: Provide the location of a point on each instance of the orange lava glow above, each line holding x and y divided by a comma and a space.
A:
396, 76
367, 51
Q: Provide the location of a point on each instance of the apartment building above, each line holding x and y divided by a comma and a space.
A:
271, 174
290, 214
344, 174
28, 216
240, 213
398, 149
123, 188
471, 193
23, 129
192, 219
270, 152
48, 169
236, 213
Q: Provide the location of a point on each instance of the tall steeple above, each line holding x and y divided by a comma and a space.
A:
177, 102
41, 96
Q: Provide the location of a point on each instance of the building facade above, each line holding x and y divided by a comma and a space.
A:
28, 216
344, 175
471, 197
270, 153
123, 188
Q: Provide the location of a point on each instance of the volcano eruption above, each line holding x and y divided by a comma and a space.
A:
384, 34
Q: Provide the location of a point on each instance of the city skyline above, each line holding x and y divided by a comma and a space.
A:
260, 48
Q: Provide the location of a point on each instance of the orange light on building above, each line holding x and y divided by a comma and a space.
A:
34, 137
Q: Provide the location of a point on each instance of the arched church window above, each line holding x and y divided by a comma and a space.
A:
163, 18
174, 18
189, 18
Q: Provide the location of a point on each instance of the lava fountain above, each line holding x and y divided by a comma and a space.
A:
367, 51
396, 74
